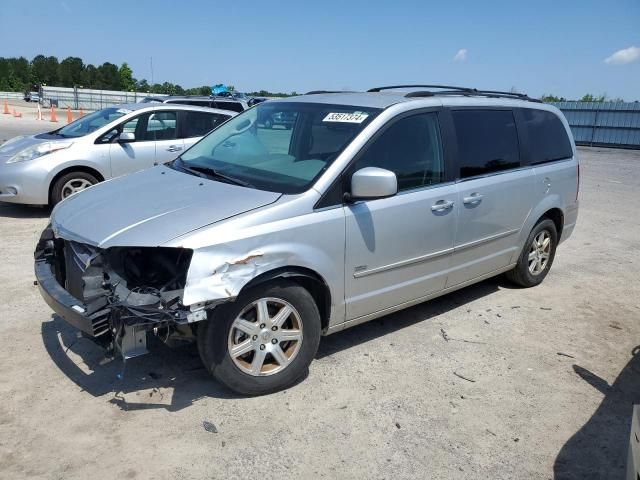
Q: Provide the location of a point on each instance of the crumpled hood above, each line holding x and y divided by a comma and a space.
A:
150, 208
8, 151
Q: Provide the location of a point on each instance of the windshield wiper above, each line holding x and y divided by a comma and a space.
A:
212, 172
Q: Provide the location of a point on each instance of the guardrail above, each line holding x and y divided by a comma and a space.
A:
12, 95
604, 124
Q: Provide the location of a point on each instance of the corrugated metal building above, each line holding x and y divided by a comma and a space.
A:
606, 124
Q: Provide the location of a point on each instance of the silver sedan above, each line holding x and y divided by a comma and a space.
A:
48, 167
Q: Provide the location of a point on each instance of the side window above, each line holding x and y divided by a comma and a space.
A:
233, 106
161, 126
411, 148
487, 141
128, 126
131, 125
198, 124
547, 136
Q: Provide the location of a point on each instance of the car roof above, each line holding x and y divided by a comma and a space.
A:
388, 98
172, 106
200, 97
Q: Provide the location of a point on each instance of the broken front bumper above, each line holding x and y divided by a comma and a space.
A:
116, 296
72, 310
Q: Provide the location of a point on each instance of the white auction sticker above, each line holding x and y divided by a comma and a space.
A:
355, 117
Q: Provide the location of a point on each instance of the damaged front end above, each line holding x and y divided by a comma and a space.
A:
119, 294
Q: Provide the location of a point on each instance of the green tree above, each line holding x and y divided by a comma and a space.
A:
90, 77
108, 77
39, 69
547, 97
44, 70
70, 71
592, 98
142, 85
126, 78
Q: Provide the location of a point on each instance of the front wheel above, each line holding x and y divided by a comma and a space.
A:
537, 255
264, 341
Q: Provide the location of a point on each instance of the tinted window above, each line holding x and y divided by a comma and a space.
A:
411, 148
487, 141
161, 126
233, 106
199, 124
547, 136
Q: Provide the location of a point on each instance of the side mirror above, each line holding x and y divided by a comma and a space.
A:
373, 182
127, 137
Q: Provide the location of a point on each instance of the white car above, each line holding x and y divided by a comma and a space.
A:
46, 168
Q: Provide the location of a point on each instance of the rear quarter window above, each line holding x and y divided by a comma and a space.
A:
198, 124
547, 137
487, 141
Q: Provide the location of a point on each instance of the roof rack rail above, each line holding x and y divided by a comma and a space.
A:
449, 90
474, 93
392, 87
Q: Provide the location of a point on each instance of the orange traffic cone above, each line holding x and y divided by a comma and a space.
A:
69, 116
81, 114
6, 108
53, 118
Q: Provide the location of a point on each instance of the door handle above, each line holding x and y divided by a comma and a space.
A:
473, 199
442, 205
174, 148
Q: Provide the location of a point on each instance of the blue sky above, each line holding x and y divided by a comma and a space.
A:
540, 47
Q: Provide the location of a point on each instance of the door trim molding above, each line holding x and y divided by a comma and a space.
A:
386, 311
485, 240
402, 263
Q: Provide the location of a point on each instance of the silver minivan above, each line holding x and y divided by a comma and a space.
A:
48, 167
257, 241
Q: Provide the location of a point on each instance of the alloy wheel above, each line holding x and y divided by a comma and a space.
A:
540, 252
265, 337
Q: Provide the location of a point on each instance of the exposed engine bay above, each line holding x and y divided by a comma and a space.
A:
123, 292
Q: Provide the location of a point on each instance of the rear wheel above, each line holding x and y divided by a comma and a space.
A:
264, 341
537, 255
70, 184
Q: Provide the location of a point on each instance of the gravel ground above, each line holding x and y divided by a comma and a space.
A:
551, 377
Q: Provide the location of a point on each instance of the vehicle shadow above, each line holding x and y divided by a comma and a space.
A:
143, 383
144, 379
599, 449
11, 210
371, 330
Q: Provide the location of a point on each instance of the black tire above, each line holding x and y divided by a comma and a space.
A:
521, 275
57, 195
214, 335
268, 123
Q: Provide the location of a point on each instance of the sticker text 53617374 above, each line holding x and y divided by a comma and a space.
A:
355, 117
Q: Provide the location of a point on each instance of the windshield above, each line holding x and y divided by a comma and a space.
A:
90, 123
277, 146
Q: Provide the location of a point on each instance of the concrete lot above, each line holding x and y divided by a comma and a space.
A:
28, 124
552, 377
